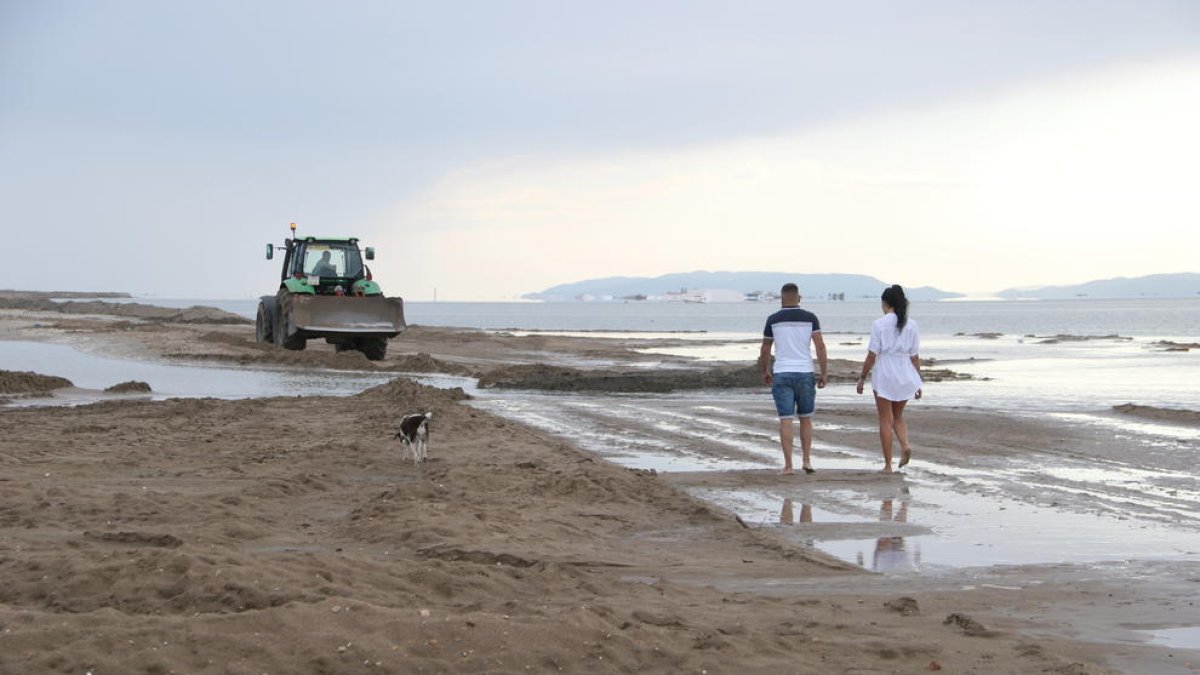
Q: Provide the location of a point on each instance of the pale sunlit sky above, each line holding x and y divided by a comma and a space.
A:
489, 149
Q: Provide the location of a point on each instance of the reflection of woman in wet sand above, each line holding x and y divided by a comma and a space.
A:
891, 555
894, 364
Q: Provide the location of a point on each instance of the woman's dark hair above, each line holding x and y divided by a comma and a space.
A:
895, 299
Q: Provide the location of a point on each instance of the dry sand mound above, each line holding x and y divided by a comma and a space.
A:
402, 392
196, 314
1172, 346
1060, 338
130, 387
251, 353
10, 293
24, 382
558, 378
643, 380
424, 363
1160, 414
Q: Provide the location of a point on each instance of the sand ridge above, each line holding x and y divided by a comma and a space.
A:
286, 535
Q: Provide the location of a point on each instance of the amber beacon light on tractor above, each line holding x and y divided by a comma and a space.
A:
326, 291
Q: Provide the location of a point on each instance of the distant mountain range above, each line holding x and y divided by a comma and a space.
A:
812, 286
1184, 285
725, 286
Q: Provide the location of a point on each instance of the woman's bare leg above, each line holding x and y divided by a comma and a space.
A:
901, 429
884, 407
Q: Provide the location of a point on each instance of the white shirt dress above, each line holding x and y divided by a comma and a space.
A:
894, 377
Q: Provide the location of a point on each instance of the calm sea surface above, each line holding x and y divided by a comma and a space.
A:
1016, 368
1167, 318
1173, 318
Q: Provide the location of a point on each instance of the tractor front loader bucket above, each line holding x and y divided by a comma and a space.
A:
330, 316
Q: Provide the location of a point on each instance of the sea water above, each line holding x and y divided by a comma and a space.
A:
1007, 347
1160, 317
1011, 348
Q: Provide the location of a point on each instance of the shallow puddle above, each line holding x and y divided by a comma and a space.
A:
92, 372
1186, 637
932, 519
914, 526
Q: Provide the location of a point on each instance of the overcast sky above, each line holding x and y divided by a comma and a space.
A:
488, 149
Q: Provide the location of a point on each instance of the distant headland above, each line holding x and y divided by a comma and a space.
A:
704, 286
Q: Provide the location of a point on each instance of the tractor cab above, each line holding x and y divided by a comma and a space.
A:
326, 264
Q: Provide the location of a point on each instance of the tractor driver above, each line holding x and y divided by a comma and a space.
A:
324, 268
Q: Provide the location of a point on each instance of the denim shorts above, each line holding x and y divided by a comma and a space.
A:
794, 393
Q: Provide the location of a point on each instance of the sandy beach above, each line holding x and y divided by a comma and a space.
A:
288, 535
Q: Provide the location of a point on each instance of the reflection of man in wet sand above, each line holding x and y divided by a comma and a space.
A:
891, 555
786, 517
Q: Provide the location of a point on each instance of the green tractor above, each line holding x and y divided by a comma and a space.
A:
326, 291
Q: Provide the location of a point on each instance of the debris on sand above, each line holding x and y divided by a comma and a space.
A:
905, 605
968, 625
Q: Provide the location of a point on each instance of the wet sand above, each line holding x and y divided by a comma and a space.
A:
288, 535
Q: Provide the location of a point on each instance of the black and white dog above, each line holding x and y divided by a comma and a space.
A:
414, 435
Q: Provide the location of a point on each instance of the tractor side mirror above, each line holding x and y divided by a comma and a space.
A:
270, 251
370, 253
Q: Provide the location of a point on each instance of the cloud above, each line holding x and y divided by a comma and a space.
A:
1052, 182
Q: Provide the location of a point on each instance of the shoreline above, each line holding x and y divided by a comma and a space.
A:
558, 548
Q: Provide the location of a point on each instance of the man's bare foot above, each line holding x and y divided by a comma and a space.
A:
905, 455
886, 469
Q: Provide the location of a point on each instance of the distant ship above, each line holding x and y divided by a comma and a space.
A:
684, 295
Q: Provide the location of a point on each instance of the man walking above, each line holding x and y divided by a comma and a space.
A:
793, 382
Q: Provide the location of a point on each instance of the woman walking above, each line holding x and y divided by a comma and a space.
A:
894, 364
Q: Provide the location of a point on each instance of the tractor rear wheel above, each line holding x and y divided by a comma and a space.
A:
262, 324
375, 349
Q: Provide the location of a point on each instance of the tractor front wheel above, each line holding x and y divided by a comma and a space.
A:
295, 343
375, 349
